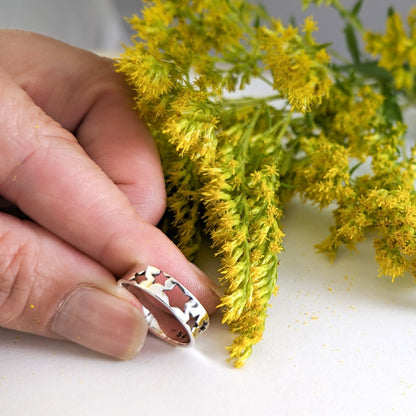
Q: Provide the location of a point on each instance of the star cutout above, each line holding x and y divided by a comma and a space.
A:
176, 296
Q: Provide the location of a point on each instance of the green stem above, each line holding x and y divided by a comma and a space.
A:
338, 56
250, 100
241, 153
266, 80
285, 125
347, 16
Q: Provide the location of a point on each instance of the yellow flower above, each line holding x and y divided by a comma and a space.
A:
150, 77
351, 120
298, 66
232, 164
396, 48
309, 25
323, 174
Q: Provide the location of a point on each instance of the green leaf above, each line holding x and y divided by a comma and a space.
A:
368, 69
261, 15
355, 167
372, 69
357, 7
257, 21
352, 43
323, 45
391, 108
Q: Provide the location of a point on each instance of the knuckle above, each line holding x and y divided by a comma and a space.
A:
15, 284
152, 206
159, 206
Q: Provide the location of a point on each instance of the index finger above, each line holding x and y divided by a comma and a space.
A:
47, 174
81, 91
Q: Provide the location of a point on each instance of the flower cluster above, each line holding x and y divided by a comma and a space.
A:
397, 49
231, 164
299, 66
243, 218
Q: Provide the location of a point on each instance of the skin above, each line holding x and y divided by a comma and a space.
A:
84, 170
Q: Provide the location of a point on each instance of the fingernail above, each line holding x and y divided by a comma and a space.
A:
101, 322
214, 288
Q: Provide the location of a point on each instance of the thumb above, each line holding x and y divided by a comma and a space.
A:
48, 288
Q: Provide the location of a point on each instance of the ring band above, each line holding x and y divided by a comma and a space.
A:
173, 313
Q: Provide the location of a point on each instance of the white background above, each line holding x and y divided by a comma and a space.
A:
339, 341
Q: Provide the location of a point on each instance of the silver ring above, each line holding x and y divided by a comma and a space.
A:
174, 314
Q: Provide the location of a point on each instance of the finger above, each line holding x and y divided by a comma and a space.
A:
48, 288
46, 173
115, 138
87, 97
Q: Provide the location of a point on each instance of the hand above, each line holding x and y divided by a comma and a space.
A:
77, 161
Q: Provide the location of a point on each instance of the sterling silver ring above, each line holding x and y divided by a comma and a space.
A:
174, 314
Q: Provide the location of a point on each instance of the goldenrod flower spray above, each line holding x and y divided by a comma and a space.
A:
231, 164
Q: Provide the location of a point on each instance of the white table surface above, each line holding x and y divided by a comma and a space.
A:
339, 341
